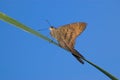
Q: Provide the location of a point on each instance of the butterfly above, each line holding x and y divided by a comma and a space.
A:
66, 36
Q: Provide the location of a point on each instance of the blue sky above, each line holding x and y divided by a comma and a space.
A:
24, 56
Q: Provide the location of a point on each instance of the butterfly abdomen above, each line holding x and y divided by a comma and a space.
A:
77, 55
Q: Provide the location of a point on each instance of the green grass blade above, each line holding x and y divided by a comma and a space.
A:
27, 29
23, 27
102, 70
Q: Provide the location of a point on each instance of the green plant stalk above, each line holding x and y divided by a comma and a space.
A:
102, 70
23, 27
27, 29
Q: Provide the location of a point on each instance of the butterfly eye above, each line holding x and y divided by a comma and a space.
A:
51, 28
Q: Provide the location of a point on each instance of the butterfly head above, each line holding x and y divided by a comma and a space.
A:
52, 28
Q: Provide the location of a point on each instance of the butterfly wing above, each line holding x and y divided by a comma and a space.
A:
66, 36
70, 32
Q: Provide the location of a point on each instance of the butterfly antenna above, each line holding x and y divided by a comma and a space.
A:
48, 23
43, 29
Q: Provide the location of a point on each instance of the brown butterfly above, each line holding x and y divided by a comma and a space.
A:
66, 36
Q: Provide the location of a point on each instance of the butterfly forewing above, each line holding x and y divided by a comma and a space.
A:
70, 32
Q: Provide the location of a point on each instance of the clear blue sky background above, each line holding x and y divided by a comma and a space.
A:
24, 56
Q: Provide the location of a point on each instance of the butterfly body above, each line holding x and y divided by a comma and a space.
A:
66, 36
